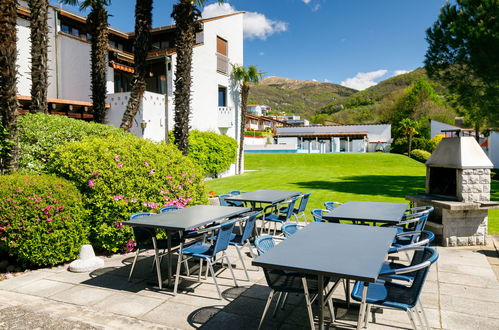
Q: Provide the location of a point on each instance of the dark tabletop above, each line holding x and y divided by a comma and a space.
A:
368, 211
264, 196
330, 249
188, 217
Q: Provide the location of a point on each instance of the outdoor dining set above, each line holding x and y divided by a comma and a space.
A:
382, 247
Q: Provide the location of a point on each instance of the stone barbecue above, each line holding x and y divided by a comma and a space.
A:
458, 187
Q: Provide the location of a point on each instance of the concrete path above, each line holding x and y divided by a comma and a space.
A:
462, 292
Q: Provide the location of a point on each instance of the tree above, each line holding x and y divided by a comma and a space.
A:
408, 128
97, 22
39, 31
8, 83
244, 77
141, 45
463, 54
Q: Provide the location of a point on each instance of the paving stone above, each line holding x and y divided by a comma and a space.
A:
455, 320
20, 280
470, 306
474, 293
43, 288
128, 304
82, 295
468, 280
174, 315
468, 269
70, 277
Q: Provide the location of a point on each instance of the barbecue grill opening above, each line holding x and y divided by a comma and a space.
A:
443, 181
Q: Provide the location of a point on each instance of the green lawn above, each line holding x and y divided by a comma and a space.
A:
337, 177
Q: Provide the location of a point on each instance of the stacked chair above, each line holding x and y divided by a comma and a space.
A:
272, 214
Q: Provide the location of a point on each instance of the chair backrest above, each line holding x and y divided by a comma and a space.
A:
420, 209
223, 236
303, 202
236, 192
169, 208
291, 208
249, 226
317, 214
417, 239
331, 205
141, 234
418, 220
222, 200
264, 244
289, 229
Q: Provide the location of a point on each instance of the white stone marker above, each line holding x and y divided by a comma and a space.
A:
87, 261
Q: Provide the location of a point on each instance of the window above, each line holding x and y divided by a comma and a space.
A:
222, 96
222, 47
122, 81
65, 28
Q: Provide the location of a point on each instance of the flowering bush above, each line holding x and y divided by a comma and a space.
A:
420, 155
40, 134
122, 176
41, 219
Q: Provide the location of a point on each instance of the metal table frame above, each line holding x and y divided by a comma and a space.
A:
182, 220
333, 250
375, 212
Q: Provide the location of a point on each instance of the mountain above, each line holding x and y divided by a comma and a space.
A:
298, 97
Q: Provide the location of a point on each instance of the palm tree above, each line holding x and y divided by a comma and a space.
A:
408, 128
39, 31
141, 45
243, 77
97, 23
8, 82
185, 13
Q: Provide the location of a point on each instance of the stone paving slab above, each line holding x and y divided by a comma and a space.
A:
461, 292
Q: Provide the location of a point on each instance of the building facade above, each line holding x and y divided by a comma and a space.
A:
215, 97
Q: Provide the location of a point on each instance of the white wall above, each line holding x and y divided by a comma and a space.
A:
493, 151
23, 58
436, 127
74, 69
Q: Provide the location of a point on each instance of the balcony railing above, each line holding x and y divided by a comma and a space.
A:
222, 63
225, 117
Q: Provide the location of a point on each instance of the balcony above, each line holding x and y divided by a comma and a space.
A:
222, 64
225, 117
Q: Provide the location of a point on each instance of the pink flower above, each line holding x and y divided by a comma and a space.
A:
183, 174
120, 165
49, 219
117, 158
169, 176
146, 163
118, 197
151, 172
133, 200
95, 174
91, 183
130, 245
118, 225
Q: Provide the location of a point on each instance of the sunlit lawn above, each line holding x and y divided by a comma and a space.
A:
337, 177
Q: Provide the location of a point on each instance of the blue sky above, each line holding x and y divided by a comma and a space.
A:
353, 42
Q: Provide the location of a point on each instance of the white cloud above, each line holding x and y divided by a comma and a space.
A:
261, 53
327, 80
256, 25
306, 1
316, 7
363, 80
398, 72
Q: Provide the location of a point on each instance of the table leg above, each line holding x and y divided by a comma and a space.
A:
362, 310
169, 244
157, 261
320, 299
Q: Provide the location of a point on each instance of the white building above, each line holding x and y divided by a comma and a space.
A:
340, 138
214, 100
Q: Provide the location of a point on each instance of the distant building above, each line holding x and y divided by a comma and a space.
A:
293, 120
262, 123
258, 109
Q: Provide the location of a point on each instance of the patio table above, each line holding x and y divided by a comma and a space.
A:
390, 213
332, 250
264, 196
182, 220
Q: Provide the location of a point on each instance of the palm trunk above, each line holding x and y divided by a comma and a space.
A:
39, 31
8, 82
244, 101
97, 20
185, 15
143, 23
409, 147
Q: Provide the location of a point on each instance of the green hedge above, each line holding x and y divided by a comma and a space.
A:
420, 155
41, 134
120, 176
42, 220
213, 152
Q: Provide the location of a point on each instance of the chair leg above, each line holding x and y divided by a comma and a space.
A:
284, 300
252, 253
309, 305
187, 270
427, 324
230, 268
411, 317
242, 261
200, 269
331, 310
133, 264
346, 284
366, 315
210, 265
277, 304
267, 305
177, 274
158, 266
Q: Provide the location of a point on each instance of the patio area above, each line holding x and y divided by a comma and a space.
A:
461, 292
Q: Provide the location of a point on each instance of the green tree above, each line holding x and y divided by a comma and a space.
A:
244, 77
8, 83
39, 32
141, 46
408, 128
97, 23
463, 54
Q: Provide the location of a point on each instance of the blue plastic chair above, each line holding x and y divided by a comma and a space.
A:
208, 250
331, 205
300, 210
169, 208
318, 213
222, 200
289, 229
387, 293
236, 192
271, 214
239, 241
285, 282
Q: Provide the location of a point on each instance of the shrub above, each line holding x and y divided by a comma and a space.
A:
40, 134
399, 146
212, 152
420, 155
119, 176
41, 219
433, 143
